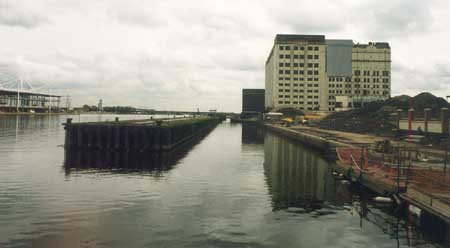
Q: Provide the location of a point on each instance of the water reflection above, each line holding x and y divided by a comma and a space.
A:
296, 177
252, 135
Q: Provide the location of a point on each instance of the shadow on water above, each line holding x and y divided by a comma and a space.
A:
127, 161
301, 180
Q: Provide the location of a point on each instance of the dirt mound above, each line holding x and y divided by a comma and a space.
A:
376, 117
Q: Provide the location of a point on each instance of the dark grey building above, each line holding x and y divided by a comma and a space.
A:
253, 100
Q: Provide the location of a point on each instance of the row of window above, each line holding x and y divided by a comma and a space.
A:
297, 90
298, 79
316, 65
298, 85
298, 56
357, 92
358, 86
339, 79
349, 79
300, 103
298, 96
367, 73
301, 48
296, 72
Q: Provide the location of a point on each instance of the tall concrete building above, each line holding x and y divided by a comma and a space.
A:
312, 73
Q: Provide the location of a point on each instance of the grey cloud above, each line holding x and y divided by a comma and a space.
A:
171, 54
402, 18
17, 13
435, 79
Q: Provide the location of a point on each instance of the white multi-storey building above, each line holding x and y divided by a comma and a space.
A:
311, 73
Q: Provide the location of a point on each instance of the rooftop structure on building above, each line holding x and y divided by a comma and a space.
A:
17, 96
312, 73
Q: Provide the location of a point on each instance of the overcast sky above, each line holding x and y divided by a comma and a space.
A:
185, 55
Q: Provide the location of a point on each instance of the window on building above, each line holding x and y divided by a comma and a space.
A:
280, 71
310, 48
302, 56
310, 73
287, 64
295, 72
316, 85
302, 48
295, 64
280, 102
316, 72
310, 56
280, 64
280, 90
316, 48
288, 48
287, 79
357, 72
295, 47
310, 64
295, 56
281, 47
302, 65
287, 72
281, 56
287, 102
316, 56
288, 56
316, 65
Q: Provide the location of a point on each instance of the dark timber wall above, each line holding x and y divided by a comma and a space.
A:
143, 136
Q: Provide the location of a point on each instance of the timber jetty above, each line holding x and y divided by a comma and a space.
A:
151, 136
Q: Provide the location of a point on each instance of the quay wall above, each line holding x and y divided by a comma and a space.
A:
140, 136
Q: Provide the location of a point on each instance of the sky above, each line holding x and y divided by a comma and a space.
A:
184, 55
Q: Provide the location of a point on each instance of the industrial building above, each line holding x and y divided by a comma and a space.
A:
312, 73
252, 101
28, 101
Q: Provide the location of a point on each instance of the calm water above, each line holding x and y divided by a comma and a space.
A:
238, 187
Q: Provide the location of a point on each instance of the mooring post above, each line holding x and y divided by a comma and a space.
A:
445, 158
445, 121
427, 113
68, 137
